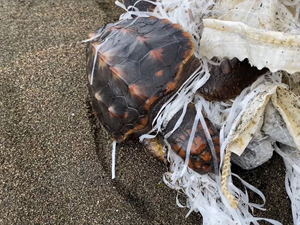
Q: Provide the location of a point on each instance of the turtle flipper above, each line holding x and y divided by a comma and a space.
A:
156, 148
201, 159
229, 79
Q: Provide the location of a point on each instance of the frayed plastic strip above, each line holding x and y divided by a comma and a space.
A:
291, 159
135, 12
187, 13
111, 35
94, 63
216, 112
162, 118
203, 79
286, 134
178, 201
228, 130
234, 112
204, 196
242, 102
113, 161
178, 122
255, 190
190, 142
177, 101
207, 135
121, 5
100, 32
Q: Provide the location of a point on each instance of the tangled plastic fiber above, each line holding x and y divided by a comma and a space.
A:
254, 24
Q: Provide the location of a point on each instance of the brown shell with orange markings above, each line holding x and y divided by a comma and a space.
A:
201, 158
133, 66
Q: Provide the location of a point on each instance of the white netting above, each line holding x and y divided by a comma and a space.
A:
205, 196
205, 191
259, 26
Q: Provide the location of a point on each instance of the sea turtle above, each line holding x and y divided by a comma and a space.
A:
135, 65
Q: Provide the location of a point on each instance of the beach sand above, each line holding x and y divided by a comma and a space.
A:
55, 161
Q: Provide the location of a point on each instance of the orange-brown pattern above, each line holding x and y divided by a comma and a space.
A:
200, 159
137, 64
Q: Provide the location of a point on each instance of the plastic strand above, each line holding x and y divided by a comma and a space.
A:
113, 156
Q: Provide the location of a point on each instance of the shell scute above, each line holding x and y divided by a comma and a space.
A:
138, 49
151, 21
114, 56
103, 115
127, 71
201, 159
118, 107
138, 62
162, 77
104, 96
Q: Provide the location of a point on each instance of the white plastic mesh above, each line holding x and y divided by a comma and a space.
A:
204, 196
204, 192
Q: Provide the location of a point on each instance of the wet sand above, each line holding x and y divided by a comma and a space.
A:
55, 161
